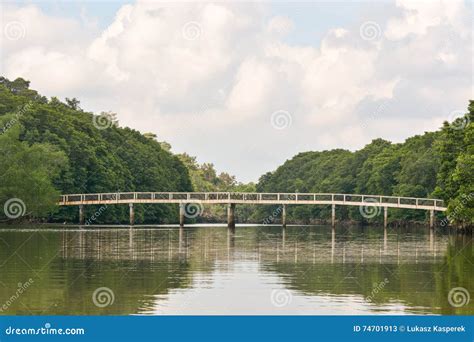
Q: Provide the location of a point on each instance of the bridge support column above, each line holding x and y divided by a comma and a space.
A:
231, 215
132, 214
333, 215
385, 217
81, 214
181, 214
432, 217
283, 215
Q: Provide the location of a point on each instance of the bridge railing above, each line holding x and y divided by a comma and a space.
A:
368, 200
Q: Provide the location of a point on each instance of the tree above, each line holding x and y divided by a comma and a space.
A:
73, 103
97, 159
27, 175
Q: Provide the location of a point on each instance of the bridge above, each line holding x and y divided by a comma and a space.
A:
231, 199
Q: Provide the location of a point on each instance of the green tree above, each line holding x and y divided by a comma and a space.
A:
27, 173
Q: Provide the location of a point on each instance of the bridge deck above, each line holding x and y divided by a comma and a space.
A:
253, 198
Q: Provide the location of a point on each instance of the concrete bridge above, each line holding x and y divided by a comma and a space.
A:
366, 203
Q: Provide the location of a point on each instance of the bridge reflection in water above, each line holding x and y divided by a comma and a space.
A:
335, 269
271, 244
208, 270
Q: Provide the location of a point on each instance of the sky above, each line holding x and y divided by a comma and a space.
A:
248, 85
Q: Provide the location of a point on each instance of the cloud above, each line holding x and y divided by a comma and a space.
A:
207, 77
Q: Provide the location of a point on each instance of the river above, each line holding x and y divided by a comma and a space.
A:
299, 270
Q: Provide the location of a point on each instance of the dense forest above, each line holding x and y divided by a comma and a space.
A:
435, 165
50, 147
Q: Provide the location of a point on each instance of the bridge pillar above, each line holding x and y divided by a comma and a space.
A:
132, 214
385, 217
432, 219
181, 214
81, 214
231, 215
283, 215
333, 215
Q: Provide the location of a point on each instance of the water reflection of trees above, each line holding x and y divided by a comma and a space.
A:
139, 264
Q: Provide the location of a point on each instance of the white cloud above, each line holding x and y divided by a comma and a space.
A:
207, 76
280, 25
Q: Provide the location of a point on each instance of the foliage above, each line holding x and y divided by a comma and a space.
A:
97, 158
435, 165
50, 147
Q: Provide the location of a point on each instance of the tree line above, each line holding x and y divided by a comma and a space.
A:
434, 164
49, 147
